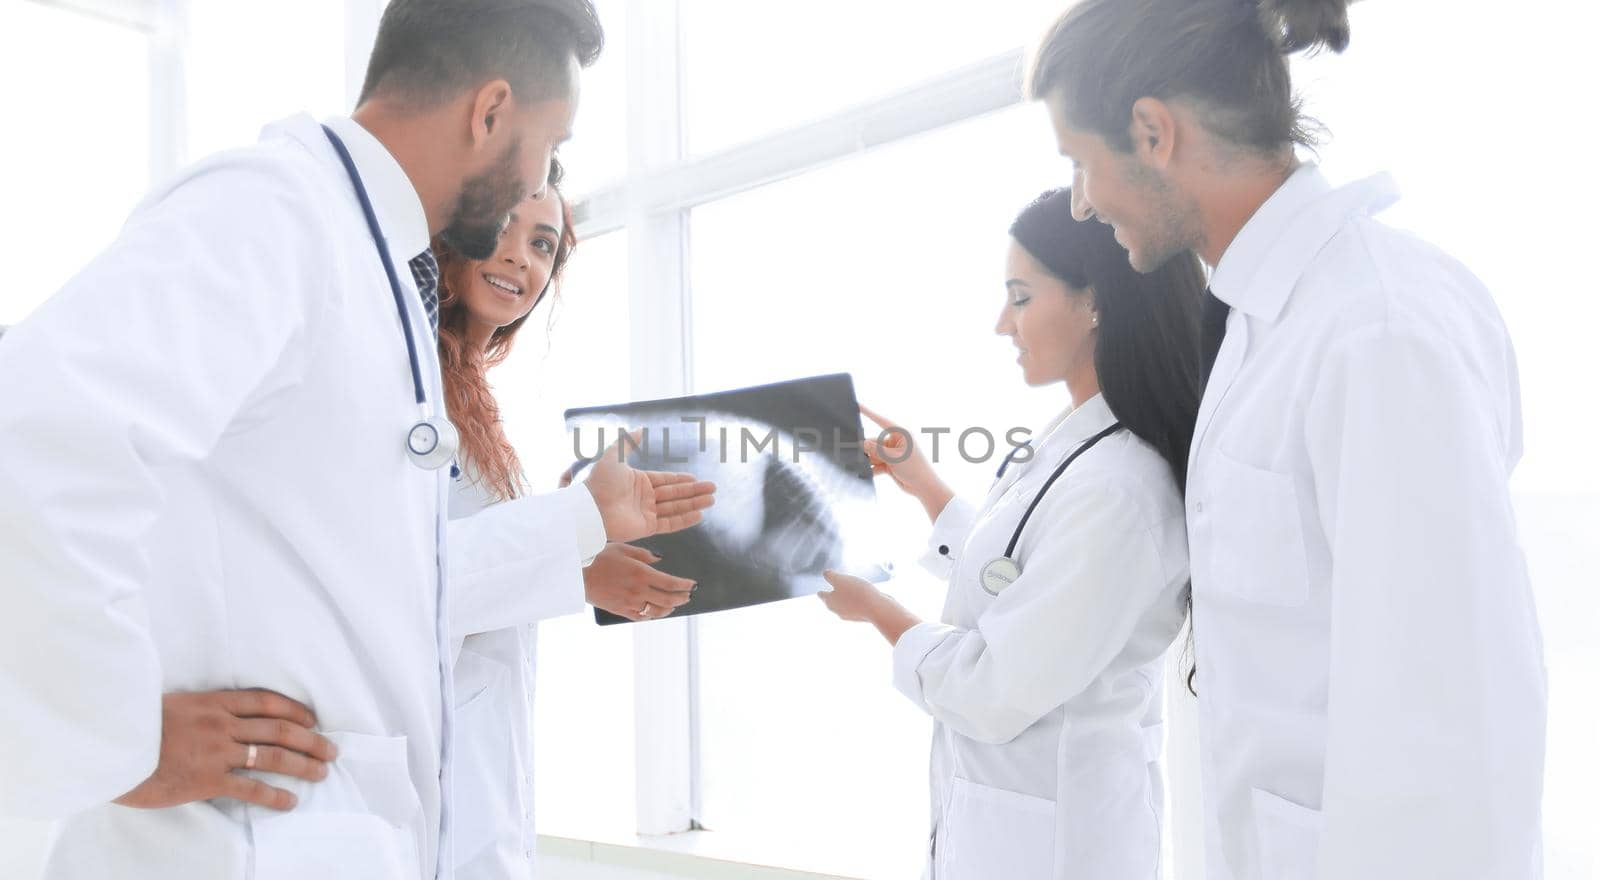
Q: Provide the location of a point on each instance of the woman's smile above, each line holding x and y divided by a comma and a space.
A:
503, 285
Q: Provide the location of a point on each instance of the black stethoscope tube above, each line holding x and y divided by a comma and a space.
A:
433, 442
1060, 469
383, 254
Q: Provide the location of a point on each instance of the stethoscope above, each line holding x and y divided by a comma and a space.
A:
1012, 456
1004, 571
432, 442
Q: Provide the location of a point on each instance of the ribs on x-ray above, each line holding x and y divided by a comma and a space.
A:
792, 500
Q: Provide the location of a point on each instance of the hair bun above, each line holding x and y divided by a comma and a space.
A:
1305, 24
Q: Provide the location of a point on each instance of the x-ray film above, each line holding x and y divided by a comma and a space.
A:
794, 489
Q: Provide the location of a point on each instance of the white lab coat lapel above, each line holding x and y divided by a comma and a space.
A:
1044, 447
1265, 291
1053, 444
400, 219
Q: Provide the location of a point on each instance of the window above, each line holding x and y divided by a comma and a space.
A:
69, 176
568, 355
823, 266
252, 64
750, 69
598, 152
885, 266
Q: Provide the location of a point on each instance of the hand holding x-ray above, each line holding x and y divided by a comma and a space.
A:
898, 456
794, 490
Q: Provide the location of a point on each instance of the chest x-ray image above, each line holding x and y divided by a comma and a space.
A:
794, 490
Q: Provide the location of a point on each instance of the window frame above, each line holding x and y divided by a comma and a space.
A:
653, 201
162, 22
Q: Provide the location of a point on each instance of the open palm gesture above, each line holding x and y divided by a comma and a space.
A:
637, 504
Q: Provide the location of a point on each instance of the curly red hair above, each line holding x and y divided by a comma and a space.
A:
486, 454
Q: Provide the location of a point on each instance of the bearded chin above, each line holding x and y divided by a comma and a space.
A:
1148, 259
475, 241
1174, 225
484, 208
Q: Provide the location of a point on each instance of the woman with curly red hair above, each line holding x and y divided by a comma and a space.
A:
483, 305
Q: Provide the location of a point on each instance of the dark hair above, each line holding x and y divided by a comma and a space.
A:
1225, 57
1147, 351
427, 50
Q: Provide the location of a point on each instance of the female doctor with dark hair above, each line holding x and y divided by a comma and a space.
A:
1067, 584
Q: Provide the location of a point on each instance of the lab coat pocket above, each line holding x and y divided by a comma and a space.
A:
360, 823
486, 789
1287, 837
990, 832
476, 677
1252, 520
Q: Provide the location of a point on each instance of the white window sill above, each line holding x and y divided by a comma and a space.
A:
724, 855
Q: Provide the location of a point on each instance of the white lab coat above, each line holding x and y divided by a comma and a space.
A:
206, 430
1047, 699
1372, 691
497, 641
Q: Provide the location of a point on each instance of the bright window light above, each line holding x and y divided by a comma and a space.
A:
753, 68
70, 175
889, 267
584, 742
247, 66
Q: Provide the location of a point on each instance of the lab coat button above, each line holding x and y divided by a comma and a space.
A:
944, 549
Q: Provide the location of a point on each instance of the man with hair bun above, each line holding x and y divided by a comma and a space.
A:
1368, 658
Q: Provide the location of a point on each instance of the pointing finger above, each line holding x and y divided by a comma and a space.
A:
880, 420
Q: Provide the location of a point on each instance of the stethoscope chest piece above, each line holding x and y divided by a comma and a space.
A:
999, 574
433, 443
1003, 571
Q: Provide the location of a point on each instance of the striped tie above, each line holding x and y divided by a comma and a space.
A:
425, 269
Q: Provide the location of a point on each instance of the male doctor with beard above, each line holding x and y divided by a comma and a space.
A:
1370, 668
220, 476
